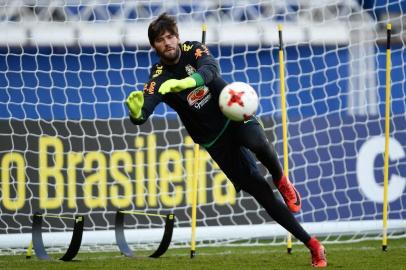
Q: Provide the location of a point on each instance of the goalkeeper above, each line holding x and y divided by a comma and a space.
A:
187, 79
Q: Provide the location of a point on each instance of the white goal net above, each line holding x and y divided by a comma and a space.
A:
68, 148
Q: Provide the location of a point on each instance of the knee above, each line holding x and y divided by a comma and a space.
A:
255, 184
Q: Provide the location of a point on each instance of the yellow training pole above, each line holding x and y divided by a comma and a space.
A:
284, 118
387, 130
196, 151
194, 200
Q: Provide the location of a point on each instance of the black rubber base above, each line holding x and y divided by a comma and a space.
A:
122, 242
38, 244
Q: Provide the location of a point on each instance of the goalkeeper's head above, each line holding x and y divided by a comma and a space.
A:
163, 36
160, 25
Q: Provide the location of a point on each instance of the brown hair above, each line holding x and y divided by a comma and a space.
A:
161, 24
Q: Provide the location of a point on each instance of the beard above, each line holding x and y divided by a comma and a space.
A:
170, 55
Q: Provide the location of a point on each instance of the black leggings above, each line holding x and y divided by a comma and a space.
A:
232, 155
251, 135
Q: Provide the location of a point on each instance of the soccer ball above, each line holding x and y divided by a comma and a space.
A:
238, 101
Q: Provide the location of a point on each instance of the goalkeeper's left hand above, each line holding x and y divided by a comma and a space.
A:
174, 85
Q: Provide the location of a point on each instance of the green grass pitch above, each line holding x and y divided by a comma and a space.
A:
362, 255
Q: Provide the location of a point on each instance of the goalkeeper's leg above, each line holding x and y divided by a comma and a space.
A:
257, 186
241, 169
253, 137
261, 191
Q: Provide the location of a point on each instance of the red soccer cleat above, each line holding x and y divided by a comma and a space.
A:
289, 194
318, 253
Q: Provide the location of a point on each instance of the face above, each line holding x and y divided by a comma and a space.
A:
167, 47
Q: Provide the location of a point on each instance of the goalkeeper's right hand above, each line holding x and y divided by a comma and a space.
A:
134, 102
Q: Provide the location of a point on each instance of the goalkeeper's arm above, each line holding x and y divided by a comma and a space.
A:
174, 85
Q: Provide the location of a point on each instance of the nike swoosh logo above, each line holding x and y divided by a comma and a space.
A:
297, 203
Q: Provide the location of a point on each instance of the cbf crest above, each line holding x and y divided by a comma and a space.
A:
190, 70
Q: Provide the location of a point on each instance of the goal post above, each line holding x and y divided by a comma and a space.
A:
67, 146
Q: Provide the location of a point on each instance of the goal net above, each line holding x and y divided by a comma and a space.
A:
67, 146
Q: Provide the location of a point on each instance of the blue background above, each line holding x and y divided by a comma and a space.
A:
92, 83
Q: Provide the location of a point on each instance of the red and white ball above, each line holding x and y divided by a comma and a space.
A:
238, 101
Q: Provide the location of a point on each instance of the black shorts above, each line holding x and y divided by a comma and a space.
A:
232, 155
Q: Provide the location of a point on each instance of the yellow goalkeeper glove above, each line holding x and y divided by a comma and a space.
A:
134, 102
174, 85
